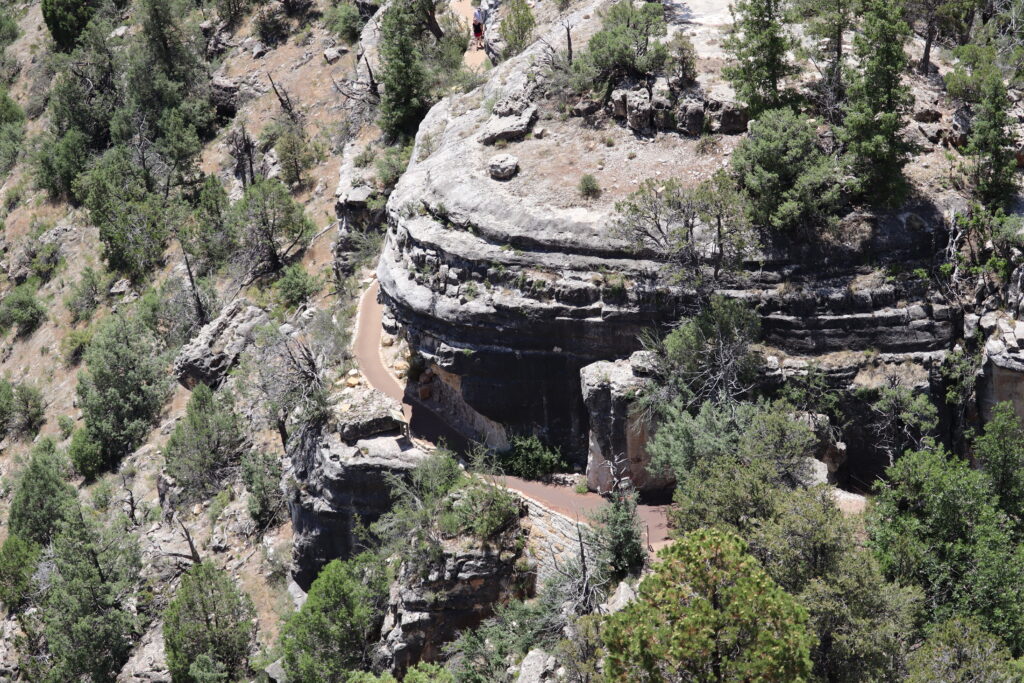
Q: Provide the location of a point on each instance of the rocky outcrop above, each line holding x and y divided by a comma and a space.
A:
618, 438
339, 473
428, 608
508, 289
218, 345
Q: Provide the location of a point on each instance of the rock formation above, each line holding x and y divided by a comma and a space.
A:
339, 479
217, 346
509, 289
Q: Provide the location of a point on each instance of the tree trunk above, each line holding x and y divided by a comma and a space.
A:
929, 36
196, 298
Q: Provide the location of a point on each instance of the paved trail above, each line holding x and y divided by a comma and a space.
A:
426, 425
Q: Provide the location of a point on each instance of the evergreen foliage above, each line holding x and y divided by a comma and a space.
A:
209, 617
406, 98
122, 388
332, 633
759, 43
204, 444
42, 496
67, 18
877, 103
708, 612
516, 27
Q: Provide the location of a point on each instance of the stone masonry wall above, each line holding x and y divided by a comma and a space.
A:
553, 538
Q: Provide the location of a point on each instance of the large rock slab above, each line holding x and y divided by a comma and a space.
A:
217, 346
338, 487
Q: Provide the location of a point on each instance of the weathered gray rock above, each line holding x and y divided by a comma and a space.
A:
503, 166
537, 666
509, 127
224, 93
617, 103
730, 119
217, 346
333, 54
426, 611
337, 487
960, 127
366, 412
148, 662
690, 118
617, 438
639, 112
927, 115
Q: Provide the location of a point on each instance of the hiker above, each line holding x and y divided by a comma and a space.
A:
478, 28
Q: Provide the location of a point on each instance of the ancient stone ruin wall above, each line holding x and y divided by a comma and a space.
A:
553, 538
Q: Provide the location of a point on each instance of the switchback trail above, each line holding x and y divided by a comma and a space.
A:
426, 425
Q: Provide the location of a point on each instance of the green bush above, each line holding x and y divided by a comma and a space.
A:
205, 443
208, 617
294, 154
85, 454
391, 165
86, 294
42, 495
67, 18
232, 11
270, 225
29, 413
21, 309
9, 31
530, 459
793, 186
57, 163
588, 186
484, 510
46, 261
261, 473
18, 561
123, 387
344, 19
296, 285
516, 28
66, 423
74, 344
626, 46
334, 630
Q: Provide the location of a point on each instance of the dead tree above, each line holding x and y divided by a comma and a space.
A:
286, 101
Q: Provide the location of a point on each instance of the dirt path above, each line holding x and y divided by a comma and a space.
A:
463, 9
427, 425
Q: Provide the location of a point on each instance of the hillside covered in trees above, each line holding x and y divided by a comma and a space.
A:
511, 340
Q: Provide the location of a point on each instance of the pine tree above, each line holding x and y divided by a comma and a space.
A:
708, 613
758, 44
827, 21
517, 27
90, 626
123, 387
992, 161
209, 617
406, 96
878, 103
206, 442
41, 496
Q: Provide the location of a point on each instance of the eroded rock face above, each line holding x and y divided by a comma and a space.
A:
340, 473
215, 350
618, 438
509, 289
426, 612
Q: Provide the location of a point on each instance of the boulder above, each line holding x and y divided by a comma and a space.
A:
586, 107
537, 666
509, 127
960, 128
617, 104
148, 662
366, 412
639, 112
333, 54
224, 95
731, 119
217, 346
503, 166
927, 115
664, 118
690, 118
